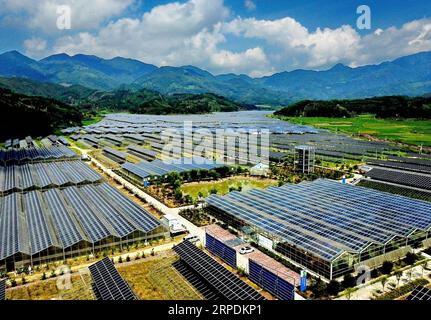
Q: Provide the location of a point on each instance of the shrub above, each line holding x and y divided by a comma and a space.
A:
348, 281
127, 259
333, 288
410, 258
403, 290
319, 288
375, 273
387, 267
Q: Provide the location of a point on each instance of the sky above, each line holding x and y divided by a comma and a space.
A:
253, 37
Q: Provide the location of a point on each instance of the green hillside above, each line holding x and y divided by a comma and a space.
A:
35, 116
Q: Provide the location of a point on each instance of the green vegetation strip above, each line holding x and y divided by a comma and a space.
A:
403, 290
222, 187
414, 132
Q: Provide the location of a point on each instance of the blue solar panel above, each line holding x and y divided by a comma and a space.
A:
226, 253
271, 282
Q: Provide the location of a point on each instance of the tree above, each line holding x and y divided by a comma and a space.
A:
424, 265
383, 281
410, 258
319, 288
387, 267
374, 273
178, 195
398, 275
176, 184
348, 281
334, 287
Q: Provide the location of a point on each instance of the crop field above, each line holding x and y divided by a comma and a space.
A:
156, 279
48, 290
414, 132
222, 187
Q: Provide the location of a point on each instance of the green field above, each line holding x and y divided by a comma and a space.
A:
414, 132
223, 186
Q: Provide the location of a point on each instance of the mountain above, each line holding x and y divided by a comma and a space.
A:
90, 101
172, 80
14, 64
382, 107
34, 116
410, 75
73, 94
86, 70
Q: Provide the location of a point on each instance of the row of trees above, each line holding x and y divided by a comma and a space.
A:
382, 107
333, 288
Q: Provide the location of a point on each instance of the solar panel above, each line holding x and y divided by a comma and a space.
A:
108, 283
402, 178
223, 281
203, 287
325, 217
2, 289
420, 293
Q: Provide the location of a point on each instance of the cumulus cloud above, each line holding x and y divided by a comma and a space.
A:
294, 46
42, 14
172, 34
35, 47
201, 33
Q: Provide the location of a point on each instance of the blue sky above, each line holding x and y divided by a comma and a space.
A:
255, 37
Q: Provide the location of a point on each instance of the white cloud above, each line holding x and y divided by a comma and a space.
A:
173, 34
35, 47
250, 5
202, 32
42, 14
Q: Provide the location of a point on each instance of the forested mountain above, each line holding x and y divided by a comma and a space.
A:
382, 107
410, 76
35, 116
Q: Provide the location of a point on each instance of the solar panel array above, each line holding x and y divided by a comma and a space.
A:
420, 293
146, 169
332, 145
223, 281
223, 251
253, 120
42, 175
108, 283
35, 154
401, 166
325, 217
142, 153
402, 178
423, 162
2, 290
115, 155
270, 281
38, 220
208, 292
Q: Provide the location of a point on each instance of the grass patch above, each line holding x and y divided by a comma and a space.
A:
414, 132
48, 290
222, 187
157, 280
